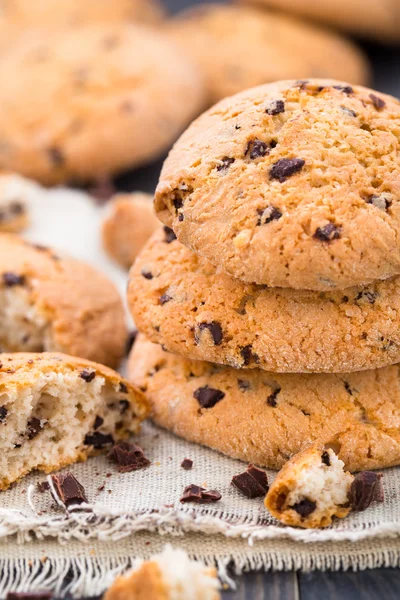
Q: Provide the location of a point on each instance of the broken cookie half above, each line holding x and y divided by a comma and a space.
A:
56, 410
313, 488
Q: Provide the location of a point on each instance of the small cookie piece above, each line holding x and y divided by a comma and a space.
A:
50, 303
374, 19
293, 184
240, 47
265, 418
102, 98
129, 224
183, 302
170, 575
57, 410
310, 490
73, 13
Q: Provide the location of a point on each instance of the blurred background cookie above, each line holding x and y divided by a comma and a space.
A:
102, 99
241, 47
128, 225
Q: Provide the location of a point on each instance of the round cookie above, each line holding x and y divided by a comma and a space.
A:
374, 19
129, 224
74, 13
293, 184
265, 418
102, 98
183, 302
49, 303
238, 47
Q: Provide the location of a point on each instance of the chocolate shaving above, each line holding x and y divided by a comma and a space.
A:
187, 464
366, 488
253, 483
199, 495
129, 457
68, 489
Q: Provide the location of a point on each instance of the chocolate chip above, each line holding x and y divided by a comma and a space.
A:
98, 422
382, 202
346, 89
194, 493
30, 595
244, 385
177, 201
87, 375
181, 217
348, 388
12, 279
132, 335
226, 162
248, 355
98, 440
348, 111
326, 458
257, 149
208, 397
253, 483
146, 274
123, 388
68, 489
366, 488
187, 464
169, 235
124, 405
34, 427
276, 107
215, 329
271, 400
327, 233
56, 156
367, 297
286, 167
164, 299
3, 413
129, 457
305, 507
378, 103
266, 215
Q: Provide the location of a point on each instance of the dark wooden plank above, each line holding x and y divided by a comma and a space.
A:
265, 586
377, 584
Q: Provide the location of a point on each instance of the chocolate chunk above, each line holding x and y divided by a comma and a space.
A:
164, 299
11, 279
276, 107
132, 335
326, 458
382, 202
146, 274
266, 215
366, 488
187, 464
226, 162
169, 235
378, 103
257, 149
244, 385
327, 233
87, 375
253, 483
208, 397
98, 440
271, 400
367, 297
215, 330
68, 489
98, 422
346, 89
348, 111
305, 507
123, 388
56, 156
248, 355
286, 167
34, 427
3, 413
30, 595
129, 457
194, 493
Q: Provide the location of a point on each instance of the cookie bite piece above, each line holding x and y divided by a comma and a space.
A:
56, 409
238, 47
292, 184
170, 575
311, 489
50, 303
129, 223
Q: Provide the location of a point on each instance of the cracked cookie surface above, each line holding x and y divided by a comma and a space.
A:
183, 302
265, 418
293, 184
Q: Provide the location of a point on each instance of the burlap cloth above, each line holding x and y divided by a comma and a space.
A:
135, 514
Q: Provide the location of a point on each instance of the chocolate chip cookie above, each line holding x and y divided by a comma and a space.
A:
183, 302
102, 98
240, 47
293, 184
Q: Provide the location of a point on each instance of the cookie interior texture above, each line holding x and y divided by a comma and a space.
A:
55, 410
292, 184
311, 489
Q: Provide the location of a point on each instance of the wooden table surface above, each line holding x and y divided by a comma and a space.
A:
378, 584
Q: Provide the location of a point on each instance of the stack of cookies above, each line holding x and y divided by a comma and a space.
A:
270, 300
